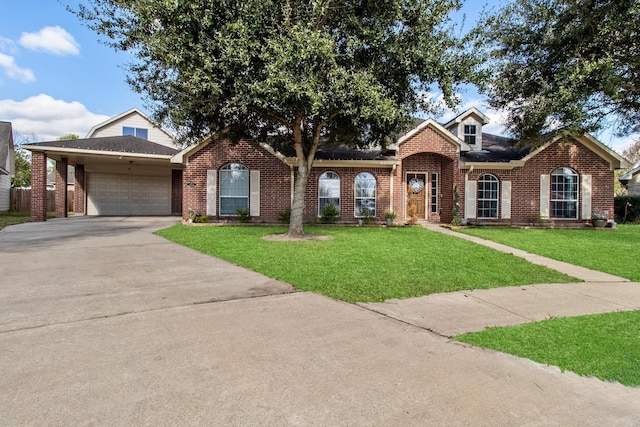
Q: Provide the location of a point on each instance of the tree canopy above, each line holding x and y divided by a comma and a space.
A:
291, 73
565, 64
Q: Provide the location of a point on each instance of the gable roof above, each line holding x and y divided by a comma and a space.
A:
7, 164
615, 160
437, 127
460, 117
115, 145
629, 175
114, 119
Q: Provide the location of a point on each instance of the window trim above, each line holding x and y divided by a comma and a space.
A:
339, 179
356, 198
134, 131
220, 187
469, 136
435, 203
575, 191
484, 179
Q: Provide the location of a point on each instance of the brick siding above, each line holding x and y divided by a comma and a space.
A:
38, 186
426, 152
79, 191
61, 188
275, 176
525, 181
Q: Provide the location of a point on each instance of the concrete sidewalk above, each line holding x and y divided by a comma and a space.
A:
469, 311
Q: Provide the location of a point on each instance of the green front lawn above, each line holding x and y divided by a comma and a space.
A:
606, 346
611, 251
366, 263
11, 218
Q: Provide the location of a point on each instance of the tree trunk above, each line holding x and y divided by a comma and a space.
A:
297, 204
305, 162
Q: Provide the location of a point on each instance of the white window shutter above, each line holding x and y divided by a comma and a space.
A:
545, 182
585, 189
212, 182
506, 200
470, 190
254, 193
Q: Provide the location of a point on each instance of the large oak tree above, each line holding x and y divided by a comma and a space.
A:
291, 73
566, 64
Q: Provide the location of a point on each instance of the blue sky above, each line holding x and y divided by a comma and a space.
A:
56, 77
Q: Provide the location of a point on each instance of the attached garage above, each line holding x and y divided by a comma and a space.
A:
115, 176
118, 195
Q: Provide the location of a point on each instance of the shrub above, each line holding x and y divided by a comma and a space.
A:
627, 209
330, 214
243, 214
201, 219
285, 216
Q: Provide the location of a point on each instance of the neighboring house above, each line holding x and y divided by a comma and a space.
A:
7, 164
71, 178
564, 181
122, 167
631, 181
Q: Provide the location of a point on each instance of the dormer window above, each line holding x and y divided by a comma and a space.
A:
141, 133
470, 134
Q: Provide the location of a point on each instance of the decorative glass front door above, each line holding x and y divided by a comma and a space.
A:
416, 195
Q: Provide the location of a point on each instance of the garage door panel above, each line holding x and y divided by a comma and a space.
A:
109, 194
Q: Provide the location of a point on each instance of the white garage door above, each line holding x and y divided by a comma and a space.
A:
109, 194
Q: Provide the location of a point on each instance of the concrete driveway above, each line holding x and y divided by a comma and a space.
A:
79, 268
144, 332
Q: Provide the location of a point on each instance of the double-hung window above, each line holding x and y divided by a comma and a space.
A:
365, 195
470, 134
564, 194
488, 196
328, 191
234, 188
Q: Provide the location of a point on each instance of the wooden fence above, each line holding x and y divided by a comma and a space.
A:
20, 200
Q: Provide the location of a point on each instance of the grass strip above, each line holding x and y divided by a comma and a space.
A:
605, 346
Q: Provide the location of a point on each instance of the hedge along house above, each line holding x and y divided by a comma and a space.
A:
425, 172
122, 167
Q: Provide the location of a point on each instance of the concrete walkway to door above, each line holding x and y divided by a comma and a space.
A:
104, 323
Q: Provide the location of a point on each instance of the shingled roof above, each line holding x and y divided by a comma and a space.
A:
496, 149
119, 144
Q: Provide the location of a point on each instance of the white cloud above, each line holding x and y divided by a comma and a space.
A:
12, 70
7, 45
54, 40
47, 118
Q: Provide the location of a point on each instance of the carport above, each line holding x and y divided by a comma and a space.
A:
119, 175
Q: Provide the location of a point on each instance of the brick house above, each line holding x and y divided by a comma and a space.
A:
426, 170
563, 181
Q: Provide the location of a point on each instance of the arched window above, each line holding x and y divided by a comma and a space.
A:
365, 195
564, 194
328, 191
488, 196
234, 188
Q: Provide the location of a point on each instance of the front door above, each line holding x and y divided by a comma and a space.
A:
416, 193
